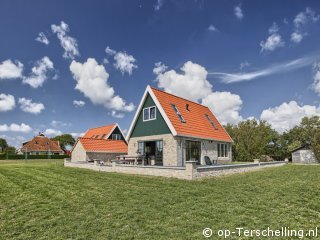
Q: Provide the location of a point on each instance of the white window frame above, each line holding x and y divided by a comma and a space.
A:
149, 114
117, 136
224, 151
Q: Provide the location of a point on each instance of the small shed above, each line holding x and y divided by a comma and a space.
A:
303, 155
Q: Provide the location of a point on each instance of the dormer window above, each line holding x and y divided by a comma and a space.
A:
97, 136
178, 113
211, 122
149, 113
103, 136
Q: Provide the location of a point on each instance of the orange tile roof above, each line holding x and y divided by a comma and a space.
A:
196, 125
100, 131
103, 145
41, 144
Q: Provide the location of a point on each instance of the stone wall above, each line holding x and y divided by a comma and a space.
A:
189, 172
169, 147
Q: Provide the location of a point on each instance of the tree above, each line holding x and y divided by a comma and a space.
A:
3, 144
64, 140
252, 139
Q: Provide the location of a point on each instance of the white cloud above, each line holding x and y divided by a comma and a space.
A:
287, 115
115, 114
273, 42
7, 102
124, 62
212, 28
302, 19
110, 51
92, 81
244, 65
276, 68
52, 132
10, 70
28, 106
158, 5
69, 44
39, 73
159, 67
76, 135
58, 124
305, 17
296, 37
14, 140
191, 84
42, 38
274, 28
238, 12
78, 103
13, 127
316, 78
225, 105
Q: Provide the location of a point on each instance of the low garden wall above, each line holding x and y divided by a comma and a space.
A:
190, 172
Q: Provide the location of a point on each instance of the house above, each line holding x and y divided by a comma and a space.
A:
41, 145
103, 143
304, 155
169, 130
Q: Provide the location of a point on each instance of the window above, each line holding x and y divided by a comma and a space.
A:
97, 136
141, 148
223, 150
36, 142
178, 113
211, 122
149, 113
116, 136
103, 136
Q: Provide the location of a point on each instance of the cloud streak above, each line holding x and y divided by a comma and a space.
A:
274, 69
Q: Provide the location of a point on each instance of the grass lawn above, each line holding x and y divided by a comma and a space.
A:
44, 200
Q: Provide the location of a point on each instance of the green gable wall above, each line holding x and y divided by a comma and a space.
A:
149, 128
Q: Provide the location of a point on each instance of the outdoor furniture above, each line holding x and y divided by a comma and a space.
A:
207, 160
132, 160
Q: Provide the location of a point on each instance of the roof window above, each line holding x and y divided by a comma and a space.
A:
178, 113
211, 122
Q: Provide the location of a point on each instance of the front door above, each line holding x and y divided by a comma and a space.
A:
193, 151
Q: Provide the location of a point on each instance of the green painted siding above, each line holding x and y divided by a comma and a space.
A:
149, 128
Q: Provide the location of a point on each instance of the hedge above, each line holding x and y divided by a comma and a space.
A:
22, 156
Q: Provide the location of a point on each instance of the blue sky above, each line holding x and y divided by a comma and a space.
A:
243, 59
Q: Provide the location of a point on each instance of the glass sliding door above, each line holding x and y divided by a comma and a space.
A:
193, 151
159, 153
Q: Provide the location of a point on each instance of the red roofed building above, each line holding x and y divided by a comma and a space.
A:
101, 143
172, 130
41, 145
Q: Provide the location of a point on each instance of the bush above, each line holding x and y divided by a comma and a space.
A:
22, 156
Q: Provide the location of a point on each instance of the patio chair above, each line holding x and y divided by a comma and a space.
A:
207, 160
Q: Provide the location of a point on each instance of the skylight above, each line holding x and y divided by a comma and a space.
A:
211, 122
178, 113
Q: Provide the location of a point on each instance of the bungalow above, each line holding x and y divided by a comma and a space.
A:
169, 130
103, 143
41, 145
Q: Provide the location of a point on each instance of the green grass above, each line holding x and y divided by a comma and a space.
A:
44, 200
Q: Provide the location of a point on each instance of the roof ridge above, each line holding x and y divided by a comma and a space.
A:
153, 88
104, 126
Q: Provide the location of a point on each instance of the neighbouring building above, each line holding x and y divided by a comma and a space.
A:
41, 145
303, 155
102, 143
171, 130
